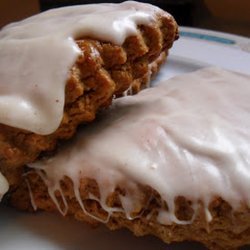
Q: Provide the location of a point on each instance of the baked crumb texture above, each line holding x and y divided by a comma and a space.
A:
227, 230
102, 72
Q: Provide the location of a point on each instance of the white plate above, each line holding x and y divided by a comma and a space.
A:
195, 49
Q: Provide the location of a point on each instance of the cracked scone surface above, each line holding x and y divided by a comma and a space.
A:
103, 70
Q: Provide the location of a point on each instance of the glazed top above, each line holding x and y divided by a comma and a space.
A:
37, 53
189, 136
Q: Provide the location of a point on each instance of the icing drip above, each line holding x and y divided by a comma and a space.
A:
37, 53
78, 197
54, 187
33, 203
189, 137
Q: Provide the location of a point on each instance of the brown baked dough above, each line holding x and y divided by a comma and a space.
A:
103, 72
228, 229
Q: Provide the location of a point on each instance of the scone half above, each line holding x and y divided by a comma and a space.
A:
172, 161
102, 69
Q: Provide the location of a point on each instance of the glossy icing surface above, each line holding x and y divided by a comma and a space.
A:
189, 136
37, 53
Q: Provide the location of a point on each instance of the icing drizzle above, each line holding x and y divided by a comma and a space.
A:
189, 136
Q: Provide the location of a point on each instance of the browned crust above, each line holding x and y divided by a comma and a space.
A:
228, 229
103, 71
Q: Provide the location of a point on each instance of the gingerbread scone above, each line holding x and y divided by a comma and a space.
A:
172, 161
58, 68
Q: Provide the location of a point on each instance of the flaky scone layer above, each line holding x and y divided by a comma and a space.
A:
228, 229
102, 72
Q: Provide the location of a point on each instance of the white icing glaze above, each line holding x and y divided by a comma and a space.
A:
189, 136
37, 53
32, 200
4, 186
